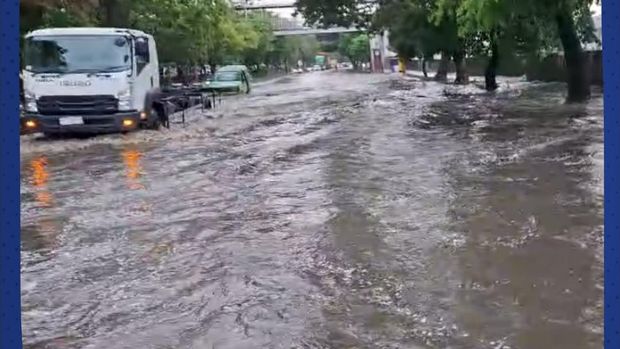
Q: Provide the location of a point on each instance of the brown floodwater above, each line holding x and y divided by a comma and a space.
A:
327, 210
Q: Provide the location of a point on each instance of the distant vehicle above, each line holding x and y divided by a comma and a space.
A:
317, 67
231, 79
320, 60
297, 71
91, 80
240, 67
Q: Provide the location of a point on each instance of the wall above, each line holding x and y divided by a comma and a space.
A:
550, 68
514, 66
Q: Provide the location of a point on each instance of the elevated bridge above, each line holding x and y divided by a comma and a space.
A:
293, 26
286, 26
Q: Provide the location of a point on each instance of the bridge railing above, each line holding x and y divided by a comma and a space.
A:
284, 26
258, 4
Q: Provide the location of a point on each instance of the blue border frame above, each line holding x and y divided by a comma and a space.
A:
10, 306
10, 309
611, 69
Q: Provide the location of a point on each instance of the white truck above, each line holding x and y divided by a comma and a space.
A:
91, 80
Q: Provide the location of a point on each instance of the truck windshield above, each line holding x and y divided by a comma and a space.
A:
228, 76
77, 54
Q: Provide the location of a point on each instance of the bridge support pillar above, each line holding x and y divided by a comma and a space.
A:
379, 61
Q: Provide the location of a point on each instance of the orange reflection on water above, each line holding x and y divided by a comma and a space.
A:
39, 179
133, 169
40, 175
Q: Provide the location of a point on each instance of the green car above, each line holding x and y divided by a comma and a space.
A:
230, 79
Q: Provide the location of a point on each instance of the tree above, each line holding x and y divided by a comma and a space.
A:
258, 53
564, 15
173, 24
115, 13
36, 14
411, 32
287, 51
303, 48
444, 13
356, 48
415, 33
534, 25
279, 55
195, 32
112, 13
189, 32
500, 29
336, 12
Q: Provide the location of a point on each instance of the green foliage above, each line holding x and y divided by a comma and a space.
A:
356, 48
529, 25
412, 32
285, 52
60, 17
425, 27
343, 13
329, 46
258, 52
35, 15
299, 48
187, 31
173, 25
194, 31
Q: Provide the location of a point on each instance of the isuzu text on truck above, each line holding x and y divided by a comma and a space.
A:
91, 80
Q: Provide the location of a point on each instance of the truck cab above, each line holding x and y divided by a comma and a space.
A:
91, 80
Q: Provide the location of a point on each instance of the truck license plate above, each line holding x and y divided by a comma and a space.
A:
72, 120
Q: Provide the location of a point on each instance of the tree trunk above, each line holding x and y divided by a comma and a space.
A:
115, 13
576, 74
442, 69
490, 81
424, 68
462, 77
180, 75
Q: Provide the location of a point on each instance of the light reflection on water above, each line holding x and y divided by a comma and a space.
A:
133, 168
39, 179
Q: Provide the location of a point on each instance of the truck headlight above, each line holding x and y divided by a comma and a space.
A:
30, 102
124, 100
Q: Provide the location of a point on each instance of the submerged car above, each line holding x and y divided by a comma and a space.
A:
231, 79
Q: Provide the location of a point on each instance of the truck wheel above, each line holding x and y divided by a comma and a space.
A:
155, 122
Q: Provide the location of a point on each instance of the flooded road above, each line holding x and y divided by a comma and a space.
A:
327, 210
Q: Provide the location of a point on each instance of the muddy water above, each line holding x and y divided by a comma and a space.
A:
327, 210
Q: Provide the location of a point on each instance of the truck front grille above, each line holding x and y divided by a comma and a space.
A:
77, 105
